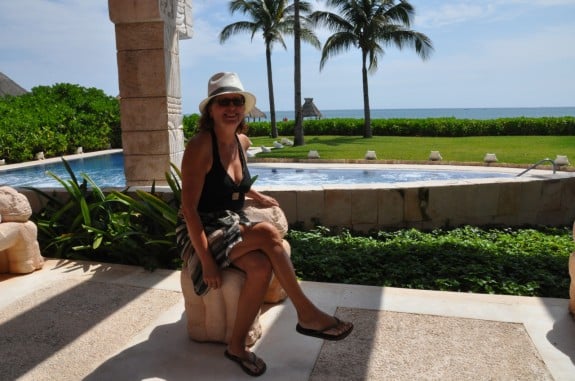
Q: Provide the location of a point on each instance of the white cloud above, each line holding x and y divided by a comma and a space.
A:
452, 13
437, 14
539, 3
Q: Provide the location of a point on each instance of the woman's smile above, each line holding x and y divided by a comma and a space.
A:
229, 109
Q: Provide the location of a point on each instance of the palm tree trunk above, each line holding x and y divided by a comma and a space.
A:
271, 91
298, 129
366, 112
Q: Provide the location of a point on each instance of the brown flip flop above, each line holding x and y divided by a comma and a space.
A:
322, 334
254, 366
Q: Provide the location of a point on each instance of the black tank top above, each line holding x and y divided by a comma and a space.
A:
220, 192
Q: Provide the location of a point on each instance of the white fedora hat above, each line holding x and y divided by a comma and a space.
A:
227, 83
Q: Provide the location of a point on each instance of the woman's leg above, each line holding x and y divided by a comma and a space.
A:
258, 270
265, 237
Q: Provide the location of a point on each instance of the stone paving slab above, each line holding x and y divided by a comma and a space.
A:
90, 321
402, 346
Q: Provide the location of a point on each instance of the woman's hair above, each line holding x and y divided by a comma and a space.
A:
206, 122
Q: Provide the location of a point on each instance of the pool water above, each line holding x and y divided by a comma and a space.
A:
108, 171
297, 176
105, 170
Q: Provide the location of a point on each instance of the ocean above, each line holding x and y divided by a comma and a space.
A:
458, 113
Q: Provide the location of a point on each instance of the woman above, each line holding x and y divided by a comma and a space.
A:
215, 233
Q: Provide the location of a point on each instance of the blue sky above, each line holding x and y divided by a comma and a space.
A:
489, 53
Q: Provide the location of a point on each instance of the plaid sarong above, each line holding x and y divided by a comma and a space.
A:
223, 232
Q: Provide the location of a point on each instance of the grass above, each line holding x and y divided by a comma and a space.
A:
516, 150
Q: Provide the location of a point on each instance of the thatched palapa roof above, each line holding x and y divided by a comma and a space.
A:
309, 109
256, 113
9, 87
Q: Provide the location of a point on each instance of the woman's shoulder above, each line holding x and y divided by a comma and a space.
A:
245, 141
200, 139
199, 146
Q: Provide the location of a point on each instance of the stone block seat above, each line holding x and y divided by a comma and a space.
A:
210, 318
19, 249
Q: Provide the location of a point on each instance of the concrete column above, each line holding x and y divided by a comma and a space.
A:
147, 36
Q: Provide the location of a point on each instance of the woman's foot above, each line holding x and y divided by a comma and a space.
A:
338, 330
249, 362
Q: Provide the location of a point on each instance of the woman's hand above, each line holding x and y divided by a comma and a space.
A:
268, 201
212, 275
262, 199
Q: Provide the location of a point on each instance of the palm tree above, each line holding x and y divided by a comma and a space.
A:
369, 25
273, 18
298, 125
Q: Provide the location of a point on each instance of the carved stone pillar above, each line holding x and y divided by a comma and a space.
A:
147, 36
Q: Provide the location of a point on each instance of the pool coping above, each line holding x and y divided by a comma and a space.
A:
51, 160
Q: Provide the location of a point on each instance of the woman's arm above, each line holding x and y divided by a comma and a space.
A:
196, 163
260, 198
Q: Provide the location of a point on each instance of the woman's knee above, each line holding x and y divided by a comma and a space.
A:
256, 264
267, 230
270, 238
263, 236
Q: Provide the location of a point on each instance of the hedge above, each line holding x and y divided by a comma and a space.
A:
56, 120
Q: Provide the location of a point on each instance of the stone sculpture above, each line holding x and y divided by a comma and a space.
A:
210, 318
19, 249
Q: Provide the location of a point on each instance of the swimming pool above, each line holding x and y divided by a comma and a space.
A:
108, 171
105, 170
460, 197
321, 174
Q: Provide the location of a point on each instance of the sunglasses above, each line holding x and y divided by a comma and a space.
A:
224, 102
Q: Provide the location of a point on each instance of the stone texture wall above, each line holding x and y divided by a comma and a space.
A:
513, 202
147, 38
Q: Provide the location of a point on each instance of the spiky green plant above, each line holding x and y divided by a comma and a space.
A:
119, 227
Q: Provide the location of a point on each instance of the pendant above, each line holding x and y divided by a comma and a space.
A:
236, 196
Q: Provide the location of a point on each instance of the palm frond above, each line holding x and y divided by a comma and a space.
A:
336, 44
236, 28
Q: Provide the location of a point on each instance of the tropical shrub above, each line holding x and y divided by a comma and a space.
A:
530, 262
440, 127
56, 120
190, 125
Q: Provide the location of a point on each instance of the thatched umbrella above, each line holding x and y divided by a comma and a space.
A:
256, 113
309, 109
9, 87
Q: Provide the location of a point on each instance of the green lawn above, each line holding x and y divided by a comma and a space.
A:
509, 149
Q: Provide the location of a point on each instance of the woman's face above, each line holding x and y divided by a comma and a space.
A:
228, 110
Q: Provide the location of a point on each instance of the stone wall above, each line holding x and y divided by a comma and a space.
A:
508, 202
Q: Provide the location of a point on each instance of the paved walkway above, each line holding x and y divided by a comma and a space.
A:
87, 321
